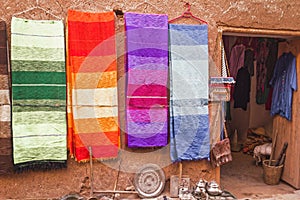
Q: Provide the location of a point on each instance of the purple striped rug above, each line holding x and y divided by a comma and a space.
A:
147, 78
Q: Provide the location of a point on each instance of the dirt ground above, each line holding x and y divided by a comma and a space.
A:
245, 180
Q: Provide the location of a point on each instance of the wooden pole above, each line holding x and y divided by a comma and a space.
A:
91, 172
180, 172
273, 147
116, 191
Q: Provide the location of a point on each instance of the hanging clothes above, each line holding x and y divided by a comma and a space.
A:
268, 104
284, 82
262, 90
147, 79
271, 59
93, 120
189, 116
249, 60
270, 64
236, 60
38, 93
242, 87
6, 161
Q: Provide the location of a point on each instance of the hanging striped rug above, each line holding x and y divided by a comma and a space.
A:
189, 117
6, 163
92, 86
38, 94
147, 78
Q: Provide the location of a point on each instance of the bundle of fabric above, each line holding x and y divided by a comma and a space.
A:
38, 94
92, 86
147, 78
189, 117
6, 163
255, 137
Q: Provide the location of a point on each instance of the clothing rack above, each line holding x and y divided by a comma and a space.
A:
188, 14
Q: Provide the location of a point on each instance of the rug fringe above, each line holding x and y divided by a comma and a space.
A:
39, 166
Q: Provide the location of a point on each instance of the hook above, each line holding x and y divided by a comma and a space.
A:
187, 14
188, 5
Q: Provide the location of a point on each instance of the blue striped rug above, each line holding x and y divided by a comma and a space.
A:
189, 116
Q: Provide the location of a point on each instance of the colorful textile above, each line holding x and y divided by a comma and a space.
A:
147, 78
6, 163
189, 116
92, 86
38, 93
284, 81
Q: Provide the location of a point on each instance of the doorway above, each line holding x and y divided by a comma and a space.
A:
242, 176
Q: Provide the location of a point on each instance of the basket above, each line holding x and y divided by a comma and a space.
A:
272, 173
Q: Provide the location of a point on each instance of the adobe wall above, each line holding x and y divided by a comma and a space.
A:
118, 174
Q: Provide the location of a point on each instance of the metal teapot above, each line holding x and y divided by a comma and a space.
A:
199, 192
200, 187
212, 188
201, 183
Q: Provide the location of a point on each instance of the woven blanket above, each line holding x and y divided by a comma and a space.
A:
38, 93
92, 86
147, 77
6, 163
189, 117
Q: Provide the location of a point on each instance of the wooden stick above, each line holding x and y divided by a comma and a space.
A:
282, 159
116, 191
282, 154
273, 148
91, 172
180, 172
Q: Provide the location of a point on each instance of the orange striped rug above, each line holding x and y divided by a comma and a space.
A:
92, 86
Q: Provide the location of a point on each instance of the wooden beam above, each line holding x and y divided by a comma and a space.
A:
259, 31
116, 191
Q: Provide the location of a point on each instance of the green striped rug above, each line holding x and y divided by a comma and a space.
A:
38, 93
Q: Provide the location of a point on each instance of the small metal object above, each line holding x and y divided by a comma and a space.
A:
200, 191
149, 181
174, 186
212, 188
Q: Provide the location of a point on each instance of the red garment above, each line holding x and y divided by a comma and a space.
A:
269, 100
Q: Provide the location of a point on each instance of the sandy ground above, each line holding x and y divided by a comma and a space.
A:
245, 180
